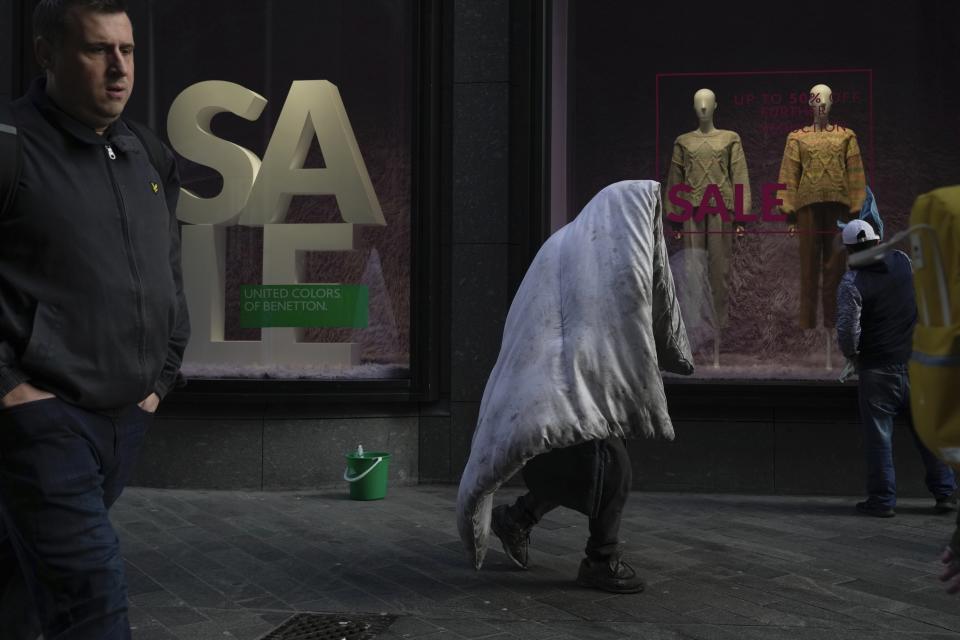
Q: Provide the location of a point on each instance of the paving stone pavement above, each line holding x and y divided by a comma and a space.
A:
205, 565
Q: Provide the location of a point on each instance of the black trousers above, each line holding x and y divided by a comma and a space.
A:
613, 487
61, 468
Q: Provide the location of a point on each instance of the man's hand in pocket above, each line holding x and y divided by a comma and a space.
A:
22, 394
150, 403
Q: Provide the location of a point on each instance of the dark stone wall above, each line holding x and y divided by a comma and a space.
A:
479, 242
767, 439
271, 447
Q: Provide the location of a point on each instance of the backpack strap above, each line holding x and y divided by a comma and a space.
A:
10, 157
152, 143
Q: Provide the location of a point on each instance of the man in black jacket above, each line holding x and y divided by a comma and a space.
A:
876, 312
93, 325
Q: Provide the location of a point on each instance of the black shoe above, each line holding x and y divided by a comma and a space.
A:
945, 504
515, 539
613, 575
875, 510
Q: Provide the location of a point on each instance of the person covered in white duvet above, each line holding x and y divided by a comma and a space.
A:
592, 325
592, 478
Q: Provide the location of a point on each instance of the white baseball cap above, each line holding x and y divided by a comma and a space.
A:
858, 231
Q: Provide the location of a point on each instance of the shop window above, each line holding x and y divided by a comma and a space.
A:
755, 113
294, 125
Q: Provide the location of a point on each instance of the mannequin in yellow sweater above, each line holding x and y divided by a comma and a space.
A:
823, 172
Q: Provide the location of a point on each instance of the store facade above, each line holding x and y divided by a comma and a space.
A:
365, 184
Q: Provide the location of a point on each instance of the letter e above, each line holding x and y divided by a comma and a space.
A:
771, 201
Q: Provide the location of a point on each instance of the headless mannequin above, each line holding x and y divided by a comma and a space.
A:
722, 151
705, 105
821, 101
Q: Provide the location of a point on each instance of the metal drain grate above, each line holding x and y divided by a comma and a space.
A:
330, 626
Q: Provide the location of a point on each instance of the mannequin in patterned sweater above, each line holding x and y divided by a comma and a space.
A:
703, 157
823, 172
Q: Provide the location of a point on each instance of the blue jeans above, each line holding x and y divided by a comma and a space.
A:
885, 392
61, 468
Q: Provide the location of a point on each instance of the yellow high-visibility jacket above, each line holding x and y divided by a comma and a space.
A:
935, 363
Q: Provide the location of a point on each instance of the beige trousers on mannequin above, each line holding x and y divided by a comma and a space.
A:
715, 236
821, 253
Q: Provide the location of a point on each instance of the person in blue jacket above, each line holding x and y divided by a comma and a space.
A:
876, 313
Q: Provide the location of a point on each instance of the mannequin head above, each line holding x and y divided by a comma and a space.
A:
821, 99
705, 103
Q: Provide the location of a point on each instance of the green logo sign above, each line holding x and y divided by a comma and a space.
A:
304, 305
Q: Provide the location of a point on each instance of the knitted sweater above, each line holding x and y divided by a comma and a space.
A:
822, 166
702, 159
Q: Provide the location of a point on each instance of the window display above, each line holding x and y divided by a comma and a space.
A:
764, 150
295, 148
809, 174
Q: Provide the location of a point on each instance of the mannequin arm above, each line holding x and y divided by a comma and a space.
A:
739, 174
790, 174
856, 181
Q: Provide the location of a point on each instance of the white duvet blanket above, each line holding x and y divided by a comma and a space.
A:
593, 323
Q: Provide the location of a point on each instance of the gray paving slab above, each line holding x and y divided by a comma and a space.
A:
235, 565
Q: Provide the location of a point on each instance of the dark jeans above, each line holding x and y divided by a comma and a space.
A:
604, 543
885, 392
61, 468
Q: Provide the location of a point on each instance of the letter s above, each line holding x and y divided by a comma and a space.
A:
188, 125
682, 203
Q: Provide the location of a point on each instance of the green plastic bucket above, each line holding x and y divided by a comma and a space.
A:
367, 475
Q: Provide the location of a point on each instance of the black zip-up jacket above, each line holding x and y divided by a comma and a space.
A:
91, 298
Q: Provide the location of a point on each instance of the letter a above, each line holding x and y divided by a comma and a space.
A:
313, 110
